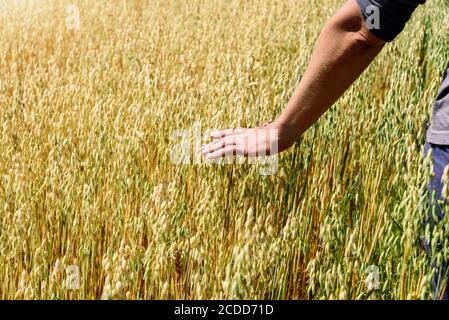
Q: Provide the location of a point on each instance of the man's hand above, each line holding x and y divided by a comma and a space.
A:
252, 142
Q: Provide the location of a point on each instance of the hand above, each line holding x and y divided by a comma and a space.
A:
253, 142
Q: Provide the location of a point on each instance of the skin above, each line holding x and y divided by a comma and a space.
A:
345, 48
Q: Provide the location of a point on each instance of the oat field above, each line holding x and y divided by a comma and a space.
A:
91, 93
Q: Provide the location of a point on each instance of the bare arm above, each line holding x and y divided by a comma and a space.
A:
344, 49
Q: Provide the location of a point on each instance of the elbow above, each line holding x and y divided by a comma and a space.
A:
359, 41
358, 44
366, 38
349, 22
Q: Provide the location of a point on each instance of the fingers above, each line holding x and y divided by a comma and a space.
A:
227, 132
231, 150
221, 143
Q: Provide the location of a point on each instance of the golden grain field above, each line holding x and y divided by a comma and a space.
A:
87, 115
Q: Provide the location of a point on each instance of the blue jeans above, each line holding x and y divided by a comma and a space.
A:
440, 157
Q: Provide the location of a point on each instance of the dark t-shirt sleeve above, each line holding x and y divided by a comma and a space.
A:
393, 15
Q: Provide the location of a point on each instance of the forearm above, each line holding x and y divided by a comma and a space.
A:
343, 51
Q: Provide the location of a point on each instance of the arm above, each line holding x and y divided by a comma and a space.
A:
344, 49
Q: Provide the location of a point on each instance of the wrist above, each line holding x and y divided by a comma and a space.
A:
285, 133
